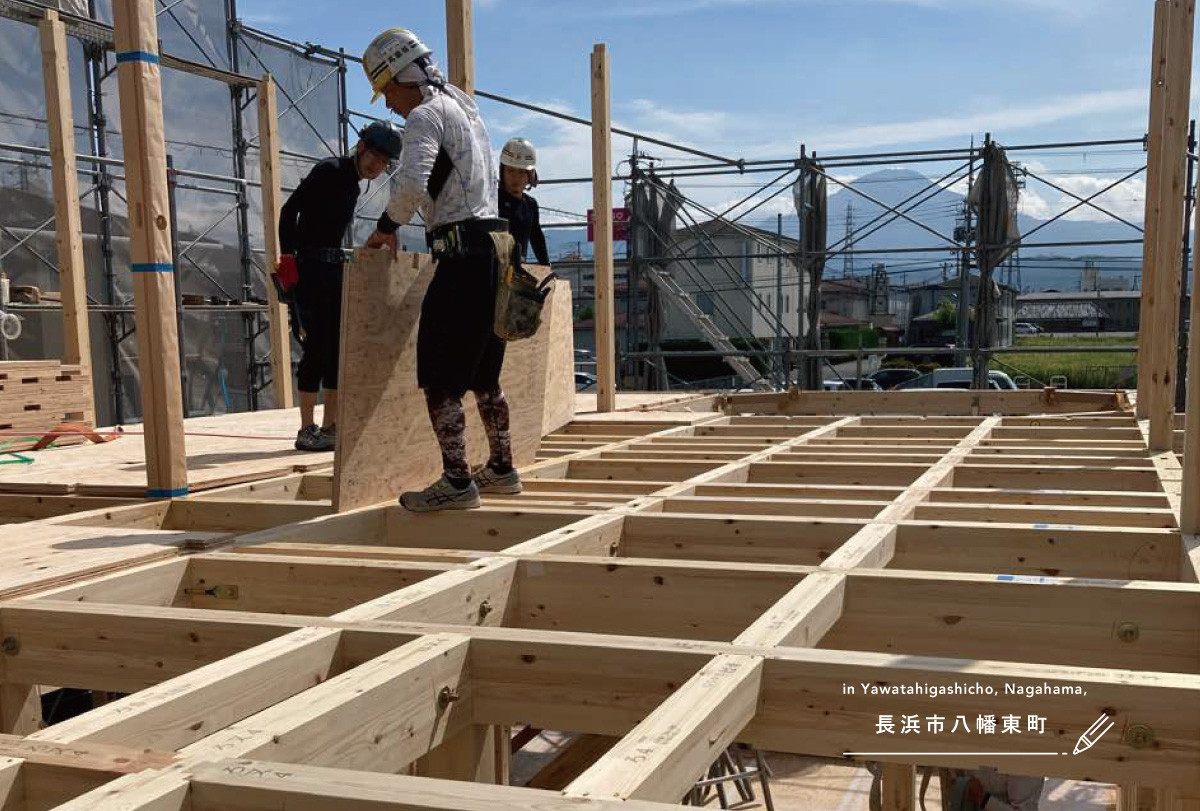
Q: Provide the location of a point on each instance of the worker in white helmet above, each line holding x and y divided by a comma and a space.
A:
448, 173
518, 172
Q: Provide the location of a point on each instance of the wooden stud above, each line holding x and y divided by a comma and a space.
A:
135, 31
899, 787
68, 229
1189, 512
605, 319
270, 173
1154, 145
1162, 358
460, 45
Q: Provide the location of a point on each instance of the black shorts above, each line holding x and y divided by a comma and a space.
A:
457, 347
318, 311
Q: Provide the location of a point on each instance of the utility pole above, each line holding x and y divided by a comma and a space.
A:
848, 253
781, 370
964, 273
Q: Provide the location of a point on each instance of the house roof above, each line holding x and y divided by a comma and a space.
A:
1079, 295
1058, 310
725, 227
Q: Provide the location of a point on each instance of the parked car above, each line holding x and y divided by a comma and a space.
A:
584, 381
958, 378
891, 378
1025, 328
852, 384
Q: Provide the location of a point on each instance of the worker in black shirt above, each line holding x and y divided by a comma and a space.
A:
312, 225
518, 172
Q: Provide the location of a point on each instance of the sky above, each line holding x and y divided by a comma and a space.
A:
757, 78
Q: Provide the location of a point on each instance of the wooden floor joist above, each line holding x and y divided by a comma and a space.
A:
665, 587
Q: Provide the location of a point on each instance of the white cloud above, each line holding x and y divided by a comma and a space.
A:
1006, 119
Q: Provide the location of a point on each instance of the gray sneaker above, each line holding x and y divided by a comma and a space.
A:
441, 495
311, 438
489, 481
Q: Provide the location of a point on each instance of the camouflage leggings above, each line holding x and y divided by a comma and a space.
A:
450, 424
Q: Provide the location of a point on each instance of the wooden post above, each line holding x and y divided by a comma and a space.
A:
1162, 354
1189, 508
899, 787
68, 230
1158, 86
460, 45
269, 173
135, 32
606, 383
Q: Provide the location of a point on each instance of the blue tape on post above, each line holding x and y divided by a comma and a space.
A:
153, 267
181, 491
137, 56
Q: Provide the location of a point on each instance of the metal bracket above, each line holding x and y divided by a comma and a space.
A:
217, 592
446, 697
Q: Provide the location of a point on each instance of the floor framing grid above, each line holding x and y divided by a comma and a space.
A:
674, 580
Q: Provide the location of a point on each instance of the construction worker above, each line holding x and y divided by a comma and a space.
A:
518, 172
312, 224
447, 172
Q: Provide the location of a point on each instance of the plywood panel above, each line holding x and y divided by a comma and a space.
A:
385, 443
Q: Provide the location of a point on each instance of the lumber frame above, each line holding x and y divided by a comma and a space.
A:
460, 45
272, 201
68, 229
135, 32
1189, 517
602, 231
522, 591
1160, 298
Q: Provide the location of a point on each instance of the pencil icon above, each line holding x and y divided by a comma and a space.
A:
1092, 734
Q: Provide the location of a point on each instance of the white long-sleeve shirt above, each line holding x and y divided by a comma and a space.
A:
1009, 792
448, 120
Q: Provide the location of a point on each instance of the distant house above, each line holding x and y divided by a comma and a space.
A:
1063, 316
1102, 310
852, 302
722, 279
927, 297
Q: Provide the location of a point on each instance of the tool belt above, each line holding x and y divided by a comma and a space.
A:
519, 295
329, 256
466, 238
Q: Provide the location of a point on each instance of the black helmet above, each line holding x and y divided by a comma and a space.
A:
383, 137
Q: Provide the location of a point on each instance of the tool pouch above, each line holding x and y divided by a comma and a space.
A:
519, 295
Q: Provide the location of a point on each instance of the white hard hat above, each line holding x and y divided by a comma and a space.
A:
388, 54
519, 154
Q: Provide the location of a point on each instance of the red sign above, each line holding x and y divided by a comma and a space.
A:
620, 225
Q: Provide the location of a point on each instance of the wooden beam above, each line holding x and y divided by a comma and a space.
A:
183, 710
1154, 144
1162, 358
899, 787
665, 754
135, 30
270, 173
379, 716
258, 786
605, 320
1189, 512
460, 45
68, 230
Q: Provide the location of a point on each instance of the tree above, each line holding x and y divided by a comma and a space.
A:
946, 314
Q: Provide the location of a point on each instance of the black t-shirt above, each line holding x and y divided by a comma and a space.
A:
524, 225
316, 215
319, 211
